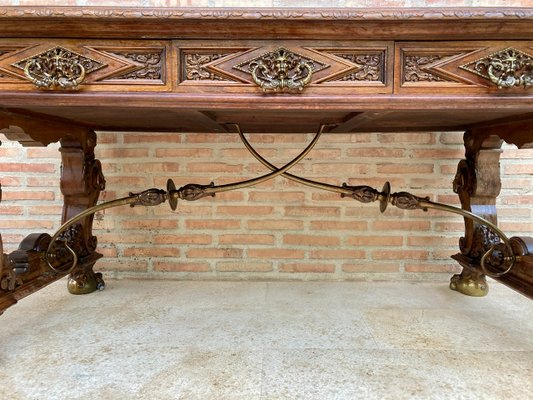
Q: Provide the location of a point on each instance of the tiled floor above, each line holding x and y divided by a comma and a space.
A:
268, 340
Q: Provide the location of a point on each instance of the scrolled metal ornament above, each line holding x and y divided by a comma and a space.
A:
282, 70
506, 68
58, 67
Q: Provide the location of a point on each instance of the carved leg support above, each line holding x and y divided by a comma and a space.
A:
478, 184
81, 183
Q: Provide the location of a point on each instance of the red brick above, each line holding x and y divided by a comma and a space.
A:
371, 267
432, 267
184, 153
311, 240
275, 224
150, 224
244, 210
150, 167
277, 197
213, 224
12, 210
399, 255
152, 252
123, 152
306, 211
376, 152
374, 240
246, 239
342, 168
404, 226
169, 266
339, 225
275, 253
28, 167
438, 154
245, 266
408, 138
432, 241
211, 138
244, 153
405, 169
152, 138
121, 264
214, 167
304, 267
183, 238
27, 195
336, 254
210, 252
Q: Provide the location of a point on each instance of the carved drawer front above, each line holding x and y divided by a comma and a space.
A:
284, 67
30, 64
477, 67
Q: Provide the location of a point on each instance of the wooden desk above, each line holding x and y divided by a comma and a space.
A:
66, 72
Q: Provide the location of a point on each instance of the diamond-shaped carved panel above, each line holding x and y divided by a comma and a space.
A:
505, 68
475, 67
57, 67
69, 65
281, 69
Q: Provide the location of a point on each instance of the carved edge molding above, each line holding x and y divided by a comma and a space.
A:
267, 13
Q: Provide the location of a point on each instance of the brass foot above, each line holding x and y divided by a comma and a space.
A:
83, 283
470, 283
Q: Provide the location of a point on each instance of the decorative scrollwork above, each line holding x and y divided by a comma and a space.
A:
414, 68
58, 67
506, 68
281, 69
150, 197
364, 194
408, 201
195, 67
371, 67
194, 191
152, 65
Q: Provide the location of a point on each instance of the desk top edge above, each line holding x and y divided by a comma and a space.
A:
252, 13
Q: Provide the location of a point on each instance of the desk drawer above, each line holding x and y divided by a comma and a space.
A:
505, 67
105, 65
308, 67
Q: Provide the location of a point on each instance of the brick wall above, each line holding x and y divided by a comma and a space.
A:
277, 230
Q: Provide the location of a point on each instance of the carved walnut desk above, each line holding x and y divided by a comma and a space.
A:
67, 72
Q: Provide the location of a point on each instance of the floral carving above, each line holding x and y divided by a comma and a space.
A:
152, 65
196, 70
371, 67
506, 68
206, 13
415, 68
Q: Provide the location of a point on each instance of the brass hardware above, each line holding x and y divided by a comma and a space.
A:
506, 68
281, 69
154, 197
471, 283
408, 201
58, 67
497, 261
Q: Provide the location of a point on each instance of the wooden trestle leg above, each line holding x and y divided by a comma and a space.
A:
25, 270
81, 183
478, 184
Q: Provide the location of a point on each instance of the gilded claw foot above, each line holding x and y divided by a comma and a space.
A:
83, 280
470, 283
